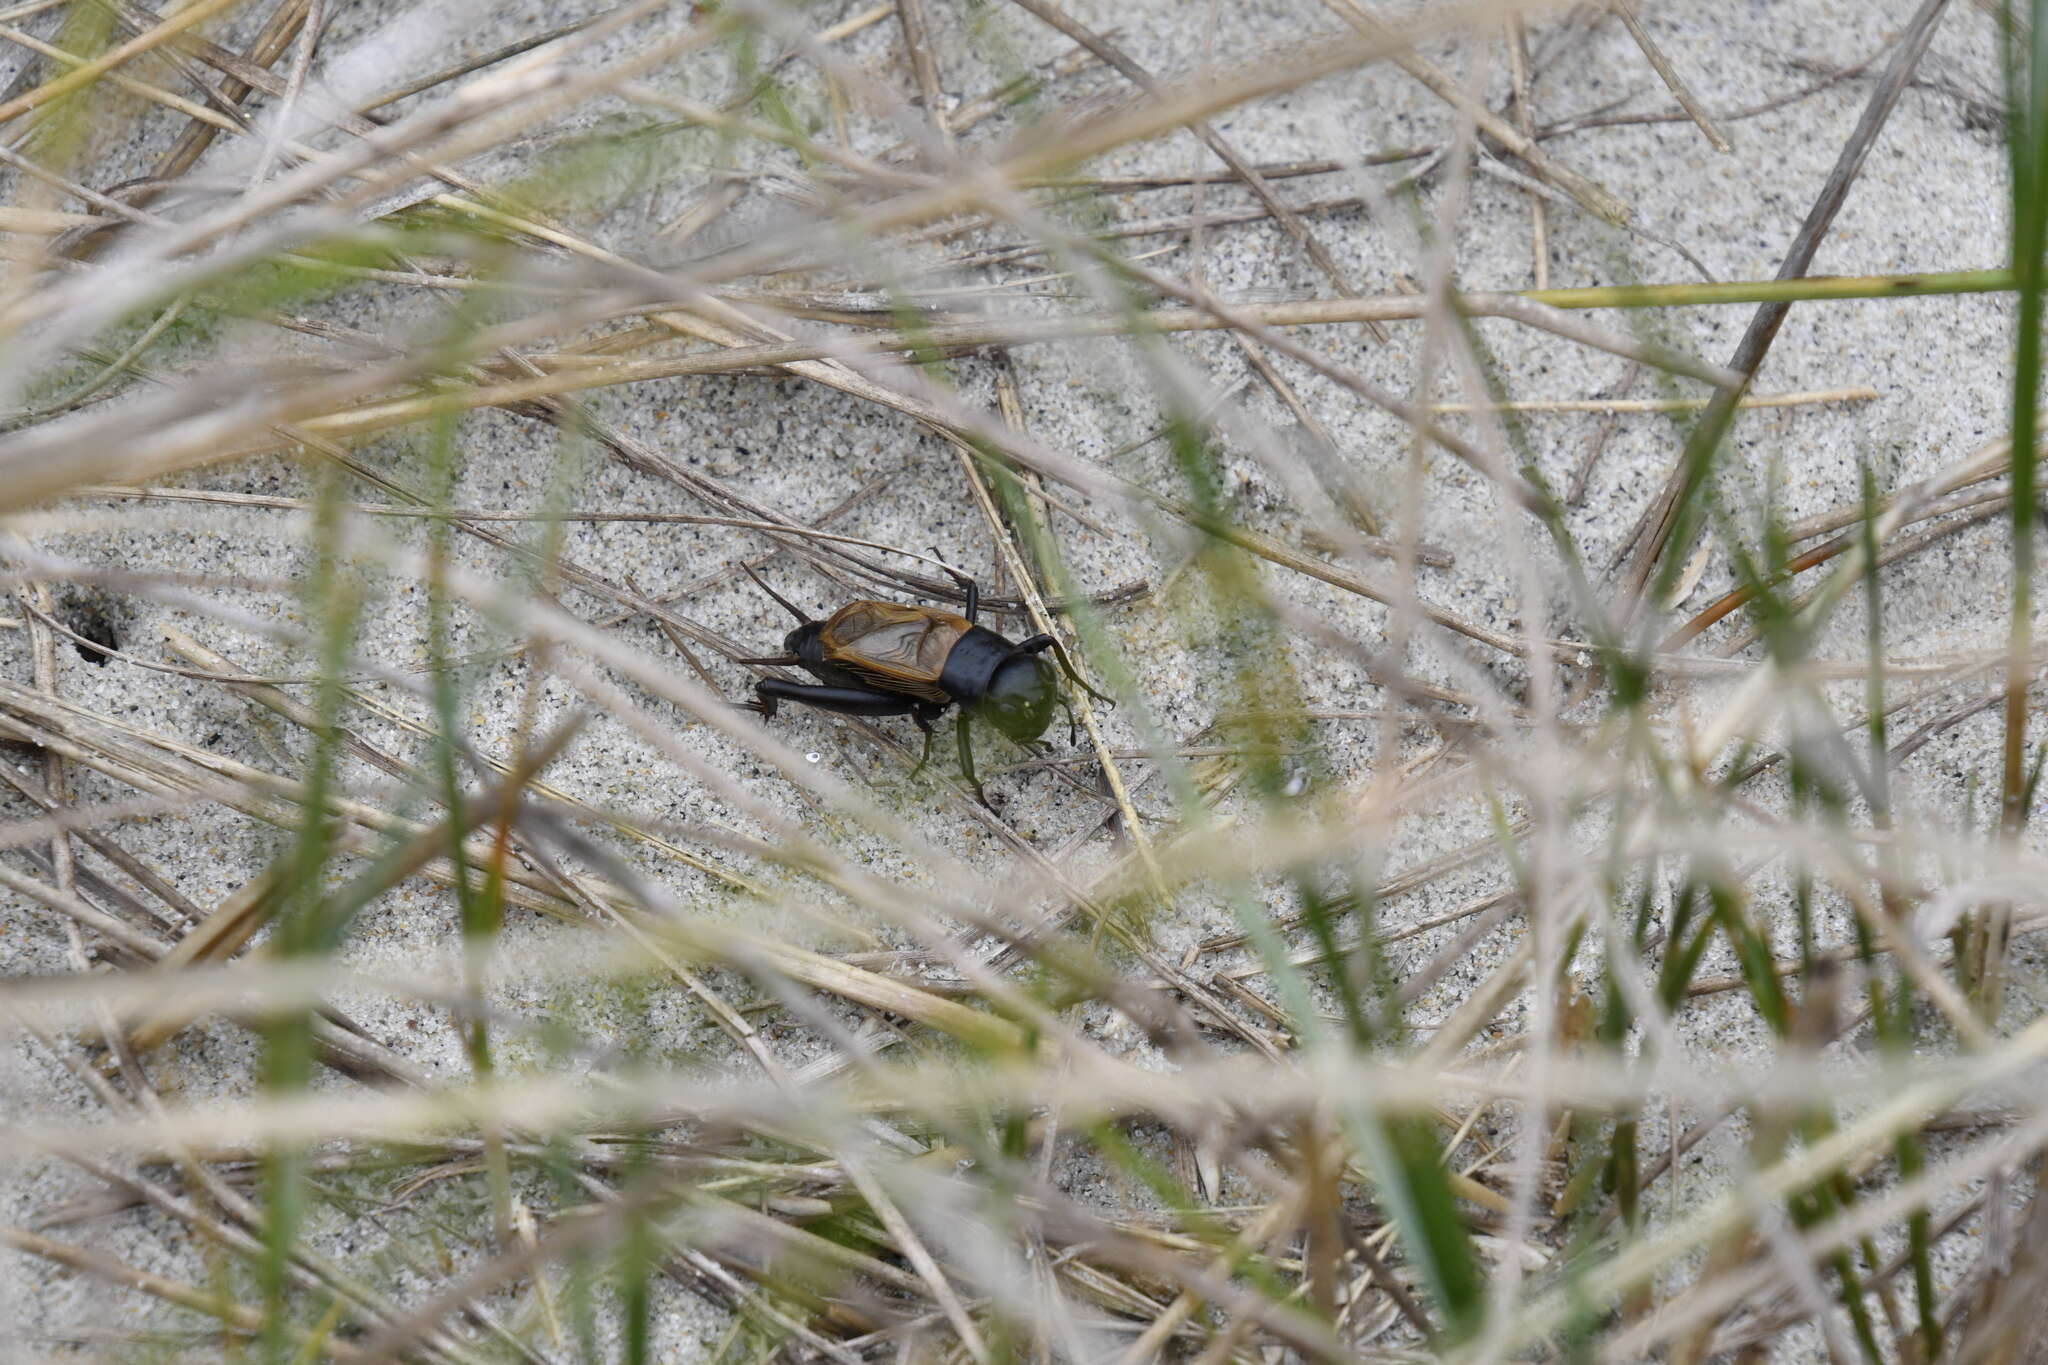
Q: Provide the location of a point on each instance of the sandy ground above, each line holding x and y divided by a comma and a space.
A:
1931, 197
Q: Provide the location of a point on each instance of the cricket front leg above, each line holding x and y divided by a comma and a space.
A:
967, 761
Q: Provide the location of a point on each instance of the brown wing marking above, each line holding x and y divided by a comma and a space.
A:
898, 648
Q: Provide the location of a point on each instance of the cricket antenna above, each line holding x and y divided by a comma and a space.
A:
774, 594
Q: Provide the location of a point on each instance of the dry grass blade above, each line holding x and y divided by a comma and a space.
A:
1763, 327
1667, 73
83, 76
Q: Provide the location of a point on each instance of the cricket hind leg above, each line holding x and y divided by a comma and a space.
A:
845, 701
969, 589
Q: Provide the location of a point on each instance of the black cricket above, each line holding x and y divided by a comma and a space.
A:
888, 659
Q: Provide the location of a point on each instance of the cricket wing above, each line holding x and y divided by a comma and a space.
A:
894, 647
